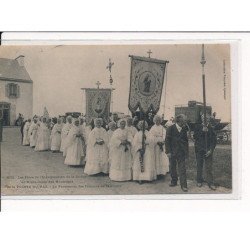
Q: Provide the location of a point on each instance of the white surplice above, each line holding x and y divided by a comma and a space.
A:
97, 155
161, 161
121, 158
43, 138
84, 140
74, 145
65, 130
132, 130
149, 173
56, 137
26, 140
33, 134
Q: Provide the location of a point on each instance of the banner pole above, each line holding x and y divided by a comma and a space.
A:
203, 61
165, 89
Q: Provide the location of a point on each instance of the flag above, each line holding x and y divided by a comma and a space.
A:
98, 103
146, 83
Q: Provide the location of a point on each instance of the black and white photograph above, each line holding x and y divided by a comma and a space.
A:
116, 119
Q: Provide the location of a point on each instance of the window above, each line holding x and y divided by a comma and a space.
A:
12, 90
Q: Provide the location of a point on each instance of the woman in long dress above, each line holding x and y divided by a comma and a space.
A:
74, 145
43, 136
33, 133
65, 131
121, 158
97, 150
26, 139
111, 128
131, 129
84, 137
158, 133
88, 128
143, 163
56, 136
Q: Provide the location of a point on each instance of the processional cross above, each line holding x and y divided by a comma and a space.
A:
110, 65
98, 84
149, 53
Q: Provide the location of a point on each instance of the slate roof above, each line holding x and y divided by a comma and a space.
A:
10, 70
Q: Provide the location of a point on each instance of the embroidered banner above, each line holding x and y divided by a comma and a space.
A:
98, 103
146, 82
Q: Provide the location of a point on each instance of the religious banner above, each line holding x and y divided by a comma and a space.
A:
98, 103
146, 82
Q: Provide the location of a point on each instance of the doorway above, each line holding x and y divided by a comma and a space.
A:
5, 113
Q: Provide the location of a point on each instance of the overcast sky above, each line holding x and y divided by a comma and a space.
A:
60, 72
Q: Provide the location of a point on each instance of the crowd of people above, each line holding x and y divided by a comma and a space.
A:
124, 149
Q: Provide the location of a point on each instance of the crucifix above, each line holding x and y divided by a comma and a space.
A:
149, 53
110, 65
98, 84
203, 62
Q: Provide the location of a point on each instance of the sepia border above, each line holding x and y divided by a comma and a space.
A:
101, 38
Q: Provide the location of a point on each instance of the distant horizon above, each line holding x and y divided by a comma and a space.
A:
59, 73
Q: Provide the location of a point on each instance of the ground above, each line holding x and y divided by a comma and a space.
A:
25, 172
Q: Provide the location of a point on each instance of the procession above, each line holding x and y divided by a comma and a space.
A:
141, 145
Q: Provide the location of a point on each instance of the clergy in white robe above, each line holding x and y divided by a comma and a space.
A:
82, 126
74, 145
56, 136
131, 129
121, 158
143, 164
65, 130
43, 136
33, 133
26, 139
97, 150
158, 133
112, 127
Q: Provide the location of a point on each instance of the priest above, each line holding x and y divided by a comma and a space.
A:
121, 158
33, 133
64, 133
43, 136
97, 150
56, 136
74, 145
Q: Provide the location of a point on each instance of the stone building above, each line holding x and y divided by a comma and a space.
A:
16, 90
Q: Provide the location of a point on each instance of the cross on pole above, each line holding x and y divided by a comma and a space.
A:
149, 53
98, 84
110, 65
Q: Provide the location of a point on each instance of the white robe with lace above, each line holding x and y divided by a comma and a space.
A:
97, 155
132, 130
26, 140
33, 134
65, 130
121, 160
161, 161
74, 145
43, 138
149, 173
56, 137
84, 140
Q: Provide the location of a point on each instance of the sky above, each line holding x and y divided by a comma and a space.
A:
59, 73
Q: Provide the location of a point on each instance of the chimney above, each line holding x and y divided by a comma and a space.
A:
20, 60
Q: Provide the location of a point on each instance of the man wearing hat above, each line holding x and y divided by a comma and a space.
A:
176, 143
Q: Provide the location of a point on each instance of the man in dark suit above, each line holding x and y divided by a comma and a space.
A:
176, 142
205, 143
